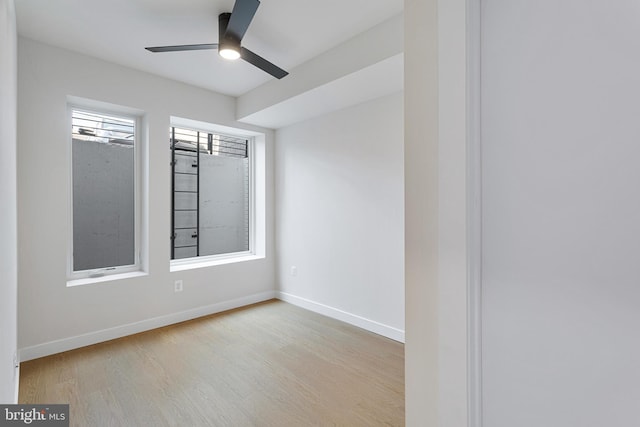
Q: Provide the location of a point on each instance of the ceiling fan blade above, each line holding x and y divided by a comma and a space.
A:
241, 16
262, 63
182, 47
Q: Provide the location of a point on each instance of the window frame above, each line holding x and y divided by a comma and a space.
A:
256, 226
76, 277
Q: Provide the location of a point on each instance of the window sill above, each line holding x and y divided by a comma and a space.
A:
189, 264
108, 278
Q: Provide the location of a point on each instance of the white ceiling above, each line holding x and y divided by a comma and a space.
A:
286, 32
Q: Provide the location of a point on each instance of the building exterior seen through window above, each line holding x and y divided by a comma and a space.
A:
211, 193
103, 192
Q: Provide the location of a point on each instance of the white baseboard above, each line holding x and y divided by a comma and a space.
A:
353, 319
71, 343
65, 344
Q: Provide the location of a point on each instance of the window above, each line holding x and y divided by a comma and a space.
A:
104, 168
211, 193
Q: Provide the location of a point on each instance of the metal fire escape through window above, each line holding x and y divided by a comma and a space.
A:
187, 147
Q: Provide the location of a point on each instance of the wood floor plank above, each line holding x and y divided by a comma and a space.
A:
270, 364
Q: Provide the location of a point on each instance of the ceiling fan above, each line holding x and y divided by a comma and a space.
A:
231, 28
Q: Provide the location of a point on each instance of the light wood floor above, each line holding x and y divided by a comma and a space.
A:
270, 364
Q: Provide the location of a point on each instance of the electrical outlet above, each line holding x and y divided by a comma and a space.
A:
294, 270
177, 286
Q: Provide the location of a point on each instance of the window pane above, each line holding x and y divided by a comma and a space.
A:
103, 191
224, 205
211, 209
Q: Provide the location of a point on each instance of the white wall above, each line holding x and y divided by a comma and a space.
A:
48, 309
561, 271
436, 207
421, 212
340, 214
8, 242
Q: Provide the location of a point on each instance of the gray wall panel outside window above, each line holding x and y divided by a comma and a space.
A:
103, 191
